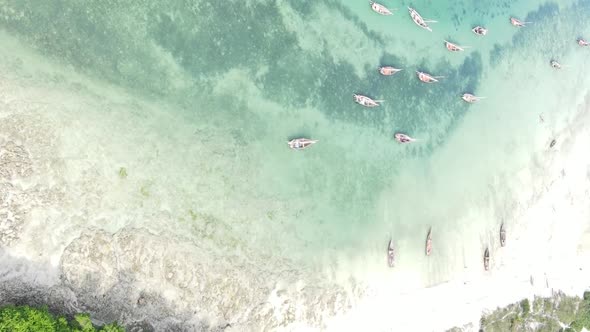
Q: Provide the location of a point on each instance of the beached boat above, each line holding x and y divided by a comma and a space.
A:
403, 138
366, 101
454, 47
380, 9
518, 23
468, 97
502, 235
555, 64
582, 42
429, 242
301, 143
388, 70
486, 259
417, 18
390, 254
479, 30
427, 78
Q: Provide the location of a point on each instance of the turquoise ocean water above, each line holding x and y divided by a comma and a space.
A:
197, 99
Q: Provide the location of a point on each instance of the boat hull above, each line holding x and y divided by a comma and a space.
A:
388, 71
429, 243
390, 254
301, 143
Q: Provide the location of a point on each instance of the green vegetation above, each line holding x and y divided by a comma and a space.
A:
27, 319
558, 313
525, 307
122, 172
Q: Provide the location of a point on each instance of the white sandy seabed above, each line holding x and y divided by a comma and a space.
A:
71, 251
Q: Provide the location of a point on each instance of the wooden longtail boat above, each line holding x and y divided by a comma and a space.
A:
366, 101
301, 143
427, 78
486, 259
502, 235
380, 9
479, 30
388, 70
518, 23
429, 242
417, 18
390, 254
454, 47
403, 138
468, 97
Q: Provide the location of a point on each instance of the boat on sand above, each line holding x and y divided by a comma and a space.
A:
390, 254
486, 259
301, 143
429, 242
502, 235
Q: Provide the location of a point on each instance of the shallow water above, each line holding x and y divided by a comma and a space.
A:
196, 101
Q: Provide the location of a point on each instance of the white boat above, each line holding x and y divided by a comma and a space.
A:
366, 101
419, 20
502, 235
555, 64
380, 9
486, 259
301, 143
390, 254
479, 30
427, 78
454, 47
388, 70
468, 97
403, 138
518, 23
582, 42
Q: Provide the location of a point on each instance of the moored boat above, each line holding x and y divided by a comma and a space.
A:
380, 9
454, 47
403, 138
427, 78
390, 254
388, 70
555, 64
468, 97
429, 242
583, 42
518, 23
419, 20
479, 30
366, 101
301, 143
486, 259
502, 235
